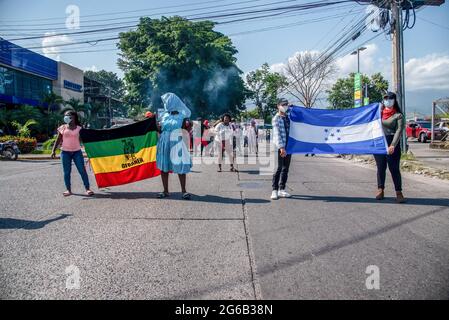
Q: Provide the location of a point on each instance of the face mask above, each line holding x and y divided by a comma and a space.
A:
389, 103
67, 119
283, 109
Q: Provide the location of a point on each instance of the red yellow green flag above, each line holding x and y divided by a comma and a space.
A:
122, 155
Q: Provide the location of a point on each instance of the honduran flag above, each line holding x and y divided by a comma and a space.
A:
326, 131
122, 155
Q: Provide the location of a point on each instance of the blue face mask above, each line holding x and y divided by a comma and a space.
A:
67, 119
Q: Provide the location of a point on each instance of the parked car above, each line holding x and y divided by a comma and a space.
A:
441, 130
420, 130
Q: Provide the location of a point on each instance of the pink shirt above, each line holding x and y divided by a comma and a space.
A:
70, 138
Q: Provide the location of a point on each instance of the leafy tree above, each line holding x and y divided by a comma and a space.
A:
24, 129
187, 58
250, 114
51, 101
137, 112
109, 80
341, 95
19, 114
264, 87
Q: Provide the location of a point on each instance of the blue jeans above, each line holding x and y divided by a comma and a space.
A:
77, 157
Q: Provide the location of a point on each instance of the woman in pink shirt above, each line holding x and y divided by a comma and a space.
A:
69, 136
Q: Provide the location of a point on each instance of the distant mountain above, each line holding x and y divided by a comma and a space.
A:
420, 101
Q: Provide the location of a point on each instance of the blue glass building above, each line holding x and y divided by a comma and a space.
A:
25, 76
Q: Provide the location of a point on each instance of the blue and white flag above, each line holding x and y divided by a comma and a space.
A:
350, 131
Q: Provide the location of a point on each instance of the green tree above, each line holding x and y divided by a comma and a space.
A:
250, 114
341, 95
137, 112
19, 114
187, 58
52, 101
264, 87
109, 80
24, 129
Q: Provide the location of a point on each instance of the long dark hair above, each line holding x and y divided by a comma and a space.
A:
226, 115
396, 106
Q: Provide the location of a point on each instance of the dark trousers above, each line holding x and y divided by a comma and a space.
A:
393, 163
281, 175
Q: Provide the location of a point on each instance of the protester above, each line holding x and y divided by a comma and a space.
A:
224, 141
281, 127
393, 126
205, 136
69, 136
252, 138
172, 148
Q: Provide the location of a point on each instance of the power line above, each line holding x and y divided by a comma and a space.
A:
307, 6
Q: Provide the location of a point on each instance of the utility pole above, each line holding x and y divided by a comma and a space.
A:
396, 8
398, 64
109, 106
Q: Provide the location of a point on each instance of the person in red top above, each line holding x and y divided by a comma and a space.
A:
393, 127
69, 138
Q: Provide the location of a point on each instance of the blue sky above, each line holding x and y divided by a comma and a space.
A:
426, 45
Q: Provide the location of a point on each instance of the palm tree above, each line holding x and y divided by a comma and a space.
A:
24, 129
49, 100
83, 108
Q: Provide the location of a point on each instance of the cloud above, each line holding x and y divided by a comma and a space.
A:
369, 62
426, 77
91, 68
430, 72
49, 43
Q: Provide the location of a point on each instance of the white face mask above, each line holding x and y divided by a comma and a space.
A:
283, 109
67, 119
389, 103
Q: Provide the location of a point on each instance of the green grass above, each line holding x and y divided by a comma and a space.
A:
408, 156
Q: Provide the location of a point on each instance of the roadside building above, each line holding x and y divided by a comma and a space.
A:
69, 84
25, 76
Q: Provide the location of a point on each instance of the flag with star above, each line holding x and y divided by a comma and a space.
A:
327, 131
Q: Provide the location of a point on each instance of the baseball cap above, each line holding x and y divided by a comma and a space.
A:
390, 95
282, 101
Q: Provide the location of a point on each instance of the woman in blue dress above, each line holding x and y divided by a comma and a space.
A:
172, 148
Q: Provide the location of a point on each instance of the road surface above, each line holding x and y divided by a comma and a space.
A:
228, 242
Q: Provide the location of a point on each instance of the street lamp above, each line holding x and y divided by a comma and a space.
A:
358, 57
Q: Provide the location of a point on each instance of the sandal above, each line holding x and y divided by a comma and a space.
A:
89, 193
67, 193
186, 196
162, 195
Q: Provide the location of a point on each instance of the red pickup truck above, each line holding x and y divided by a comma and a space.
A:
422, 130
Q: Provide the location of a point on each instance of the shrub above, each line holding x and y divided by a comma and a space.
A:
26, 145
48, 145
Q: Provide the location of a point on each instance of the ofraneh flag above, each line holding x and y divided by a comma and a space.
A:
327, 131
122, 155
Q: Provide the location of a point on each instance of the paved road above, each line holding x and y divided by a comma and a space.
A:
229, 241
435, 158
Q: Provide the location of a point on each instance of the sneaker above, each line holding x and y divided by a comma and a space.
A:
284, 194
274, 195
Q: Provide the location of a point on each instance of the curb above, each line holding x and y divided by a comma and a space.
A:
37, 157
